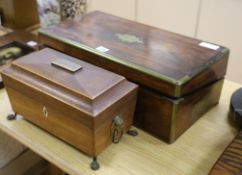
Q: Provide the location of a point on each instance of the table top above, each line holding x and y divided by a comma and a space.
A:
195, 152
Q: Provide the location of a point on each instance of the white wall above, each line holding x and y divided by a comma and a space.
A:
173, 15
122, 8
221, 22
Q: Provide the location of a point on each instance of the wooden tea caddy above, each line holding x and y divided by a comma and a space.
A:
180, 78
84, 105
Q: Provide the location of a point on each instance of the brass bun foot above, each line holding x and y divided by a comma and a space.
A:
11, 116
95, 165
133, 133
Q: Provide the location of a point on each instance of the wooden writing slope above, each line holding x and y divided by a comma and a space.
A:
194, 153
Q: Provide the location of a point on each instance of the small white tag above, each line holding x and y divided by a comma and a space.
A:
32, 43
19, 117
102, 49
209, 45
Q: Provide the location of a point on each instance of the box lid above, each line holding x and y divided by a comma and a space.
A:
86, 87
163, 56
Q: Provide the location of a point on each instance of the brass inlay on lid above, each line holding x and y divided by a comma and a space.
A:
129, 38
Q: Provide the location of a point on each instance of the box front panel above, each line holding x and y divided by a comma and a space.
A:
154, 114
54, 121
167, 119
195, 105
123, 108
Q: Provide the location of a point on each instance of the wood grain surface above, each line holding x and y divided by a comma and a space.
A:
167, 118
152, 57
194, 152
230, 162
80, 105
168, 64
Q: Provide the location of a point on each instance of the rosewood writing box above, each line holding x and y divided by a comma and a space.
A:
180, 78
82, 104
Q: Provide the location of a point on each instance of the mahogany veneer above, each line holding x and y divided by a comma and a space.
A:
78, 107
169, 65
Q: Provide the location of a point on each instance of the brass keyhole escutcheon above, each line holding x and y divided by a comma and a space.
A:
45, 111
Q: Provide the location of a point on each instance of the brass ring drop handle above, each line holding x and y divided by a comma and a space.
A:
117, 129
